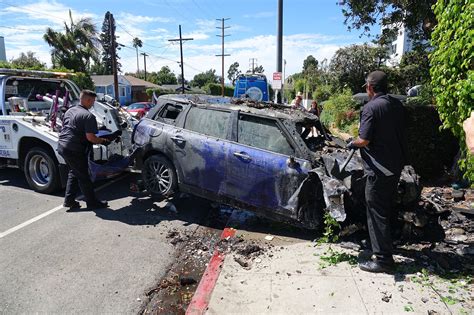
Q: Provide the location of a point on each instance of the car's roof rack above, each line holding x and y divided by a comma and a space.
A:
35, 73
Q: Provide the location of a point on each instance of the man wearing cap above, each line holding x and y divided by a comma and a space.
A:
382, 143
297, 103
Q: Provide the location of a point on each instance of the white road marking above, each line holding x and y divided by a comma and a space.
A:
44, 214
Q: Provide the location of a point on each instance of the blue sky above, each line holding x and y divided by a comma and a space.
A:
310, 27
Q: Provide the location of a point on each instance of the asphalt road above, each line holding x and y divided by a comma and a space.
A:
81, 261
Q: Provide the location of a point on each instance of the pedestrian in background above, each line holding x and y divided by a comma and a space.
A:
315, 108
297, 103
468, 126
382, 143
76, 138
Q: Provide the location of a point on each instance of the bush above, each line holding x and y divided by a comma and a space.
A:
430, 150
159, 91
452, 70
322, 93
341, 111
215, 89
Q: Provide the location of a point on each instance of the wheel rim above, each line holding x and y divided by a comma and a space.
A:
39, 170
158, 177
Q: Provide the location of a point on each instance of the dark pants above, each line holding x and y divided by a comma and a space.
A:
379, 194
78, 176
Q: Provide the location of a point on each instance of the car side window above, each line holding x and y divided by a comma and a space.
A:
171, 111
207, 121
263, 134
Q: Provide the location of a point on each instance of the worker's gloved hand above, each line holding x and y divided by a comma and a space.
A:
352, 146
105, 142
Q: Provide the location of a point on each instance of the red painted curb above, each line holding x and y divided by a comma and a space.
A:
208, 281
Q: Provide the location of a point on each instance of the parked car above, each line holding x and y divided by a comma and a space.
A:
257, 156
139, 110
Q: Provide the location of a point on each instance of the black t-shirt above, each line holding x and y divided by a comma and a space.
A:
382, 122
76, 123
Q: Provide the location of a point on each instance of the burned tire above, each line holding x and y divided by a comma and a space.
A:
41, 171
159, 176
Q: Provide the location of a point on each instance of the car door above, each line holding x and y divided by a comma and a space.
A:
261, 168
201, 148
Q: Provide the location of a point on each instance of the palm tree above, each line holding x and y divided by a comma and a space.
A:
76, 47
137, 42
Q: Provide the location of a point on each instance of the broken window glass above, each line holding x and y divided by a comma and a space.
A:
209, 122
264, 134
171, 111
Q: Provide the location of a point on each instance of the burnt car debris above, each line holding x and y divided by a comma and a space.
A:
268, 158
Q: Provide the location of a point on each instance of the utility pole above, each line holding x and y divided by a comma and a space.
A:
113, 47
222, 54
181, 39
144, 62
279, 42
252, 63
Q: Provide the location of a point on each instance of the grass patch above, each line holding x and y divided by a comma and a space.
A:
333, 257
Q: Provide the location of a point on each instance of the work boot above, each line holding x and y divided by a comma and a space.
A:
97, 205
71, 204
377, 265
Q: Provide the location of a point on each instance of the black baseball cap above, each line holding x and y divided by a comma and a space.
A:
376, 78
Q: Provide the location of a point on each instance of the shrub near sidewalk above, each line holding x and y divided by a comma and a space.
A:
342, 112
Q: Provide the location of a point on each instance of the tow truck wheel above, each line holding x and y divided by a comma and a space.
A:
159, 176
41, 171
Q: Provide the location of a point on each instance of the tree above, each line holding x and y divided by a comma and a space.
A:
350, 65
137, 42
106, 42
76, 47
258, 69
165, 76
233, 72
452, 70
416, 16
310, 64
28, 61
204, 78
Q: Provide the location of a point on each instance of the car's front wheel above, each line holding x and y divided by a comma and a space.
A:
159, 176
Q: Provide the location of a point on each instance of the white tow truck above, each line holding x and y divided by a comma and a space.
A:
31, 107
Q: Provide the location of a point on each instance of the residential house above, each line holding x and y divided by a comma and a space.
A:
131, 89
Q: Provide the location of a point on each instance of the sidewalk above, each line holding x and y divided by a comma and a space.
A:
291, 279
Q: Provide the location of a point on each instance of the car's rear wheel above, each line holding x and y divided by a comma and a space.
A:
159, 176
41, 171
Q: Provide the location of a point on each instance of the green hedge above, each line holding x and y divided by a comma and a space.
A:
215, 89
159, 91
430, 150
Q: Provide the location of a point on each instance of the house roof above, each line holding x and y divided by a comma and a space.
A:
105, 80
139, 82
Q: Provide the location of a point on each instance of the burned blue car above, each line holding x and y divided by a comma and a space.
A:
268, 158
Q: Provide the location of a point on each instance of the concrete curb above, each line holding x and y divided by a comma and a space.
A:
208, 281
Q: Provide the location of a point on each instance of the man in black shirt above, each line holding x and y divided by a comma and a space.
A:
75, 143
382, 144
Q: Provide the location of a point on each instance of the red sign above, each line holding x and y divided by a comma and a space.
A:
277, 76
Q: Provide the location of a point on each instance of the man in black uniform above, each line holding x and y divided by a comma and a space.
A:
382, 144
75, 143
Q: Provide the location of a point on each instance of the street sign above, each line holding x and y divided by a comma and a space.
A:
276, 82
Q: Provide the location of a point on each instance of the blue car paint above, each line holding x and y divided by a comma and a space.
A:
264, 180
201, 160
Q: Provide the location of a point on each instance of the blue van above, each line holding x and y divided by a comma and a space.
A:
254, 85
